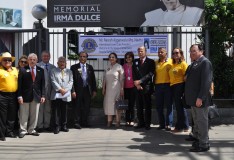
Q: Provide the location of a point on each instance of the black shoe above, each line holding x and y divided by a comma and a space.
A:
21, 135
35, 134
160, 128
195, 144
77, 126
40, 130
199, 149
56, 130
48, 129
11, 135
191, 139
139, 126
147, 127
168, 129
65, 129
86, 126
2, 139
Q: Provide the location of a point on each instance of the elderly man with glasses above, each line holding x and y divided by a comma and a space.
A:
8, 96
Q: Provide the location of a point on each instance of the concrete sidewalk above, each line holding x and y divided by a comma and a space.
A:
124, 143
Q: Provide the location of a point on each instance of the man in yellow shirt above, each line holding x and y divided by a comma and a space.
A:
8, 96
163, 91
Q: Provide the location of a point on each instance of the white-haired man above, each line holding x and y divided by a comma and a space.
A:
31, 92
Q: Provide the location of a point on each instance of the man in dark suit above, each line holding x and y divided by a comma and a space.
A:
143, 73
197, 95
31, 92
84, 89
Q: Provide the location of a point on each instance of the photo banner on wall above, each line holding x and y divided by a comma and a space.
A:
100, 46
10, 18
124, 13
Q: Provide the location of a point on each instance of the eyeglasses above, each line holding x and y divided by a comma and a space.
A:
25, 62
83, 56
128, 57
111, 57
175, 52
7, 60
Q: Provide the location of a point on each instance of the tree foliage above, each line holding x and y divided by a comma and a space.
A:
219, 20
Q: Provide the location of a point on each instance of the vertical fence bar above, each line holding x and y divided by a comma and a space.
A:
39, 42
174, 43
207, 41
64, 43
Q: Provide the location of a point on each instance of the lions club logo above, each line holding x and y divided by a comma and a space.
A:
89, 45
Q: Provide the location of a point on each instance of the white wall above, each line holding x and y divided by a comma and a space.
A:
28, 18
12, 4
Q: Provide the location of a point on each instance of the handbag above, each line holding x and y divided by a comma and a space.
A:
213, 112
121, 104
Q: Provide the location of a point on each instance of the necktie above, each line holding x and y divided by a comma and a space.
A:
142, 61
46, 66
32, 74
84, 76
62, 74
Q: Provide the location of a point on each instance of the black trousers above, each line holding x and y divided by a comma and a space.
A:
59, 111
81, 106
143, 100
8, 112
129, 94
182, 117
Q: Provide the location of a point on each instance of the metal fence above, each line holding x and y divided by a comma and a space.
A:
58, 42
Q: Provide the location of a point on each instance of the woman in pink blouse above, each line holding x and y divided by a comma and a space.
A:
129, 88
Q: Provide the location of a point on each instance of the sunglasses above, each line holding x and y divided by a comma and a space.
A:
175, 52
128, 57
25, 62
7, 60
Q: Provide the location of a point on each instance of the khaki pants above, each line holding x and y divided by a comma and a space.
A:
28, 115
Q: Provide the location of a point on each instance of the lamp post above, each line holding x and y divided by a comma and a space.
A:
40, 12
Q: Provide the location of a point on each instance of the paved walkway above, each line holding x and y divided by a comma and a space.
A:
124, 143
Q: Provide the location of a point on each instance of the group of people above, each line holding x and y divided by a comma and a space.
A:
34, 96
172, 81
43, 90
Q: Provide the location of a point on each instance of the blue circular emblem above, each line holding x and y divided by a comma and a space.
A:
89, 45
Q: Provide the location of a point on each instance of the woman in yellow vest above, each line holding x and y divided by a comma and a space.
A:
177, 74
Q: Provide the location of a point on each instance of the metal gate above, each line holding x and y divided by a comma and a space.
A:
65, 42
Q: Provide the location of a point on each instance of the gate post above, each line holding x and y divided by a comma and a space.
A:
47, 39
